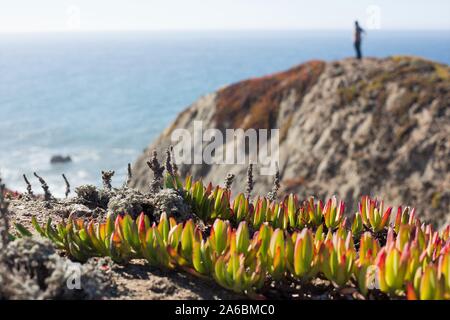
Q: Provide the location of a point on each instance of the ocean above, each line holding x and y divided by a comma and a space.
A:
103, 97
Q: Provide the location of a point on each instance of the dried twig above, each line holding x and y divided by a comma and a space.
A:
106, 178
129, 175
47, 195
174, 164
67, 185
4, 221
250, 182
273, 195
29, 188
168, 163
153, 164
229, 181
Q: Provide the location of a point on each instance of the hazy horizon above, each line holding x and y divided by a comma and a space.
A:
20, 16
211, 30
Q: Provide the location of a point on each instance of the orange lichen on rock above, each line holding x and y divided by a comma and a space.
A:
260, 98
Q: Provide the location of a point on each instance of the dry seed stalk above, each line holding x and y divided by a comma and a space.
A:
29, 188
273, 195
174, 165
229, 181
67, 185
129, 175
4, 222
47, 195
106, 177
168, 163
250, 182
153, 164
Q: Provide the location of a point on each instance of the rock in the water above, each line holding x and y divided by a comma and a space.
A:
60, 159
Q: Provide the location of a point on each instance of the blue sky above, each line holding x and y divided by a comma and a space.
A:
85, 15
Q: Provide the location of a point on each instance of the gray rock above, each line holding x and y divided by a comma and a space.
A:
60, 159
30, 268
129, 201
172, 203
79, 211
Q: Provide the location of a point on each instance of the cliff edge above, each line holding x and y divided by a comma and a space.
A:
379, 127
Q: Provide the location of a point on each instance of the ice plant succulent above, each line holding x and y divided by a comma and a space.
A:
233, 273
198, 197
276, 256
244, 245
333, 213
373, 214
315, 212
357, 224
303, 261
259, 213
337, 259
219, 237
368, 250
392, 262
429, 284
405, 216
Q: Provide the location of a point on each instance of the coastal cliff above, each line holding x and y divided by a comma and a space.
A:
379, 127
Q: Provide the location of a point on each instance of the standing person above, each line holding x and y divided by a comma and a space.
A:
358, 39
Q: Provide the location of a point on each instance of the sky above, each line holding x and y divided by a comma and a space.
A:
102, 15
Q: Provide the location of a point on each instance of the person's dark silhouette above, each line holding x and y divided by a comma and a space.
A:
358, 39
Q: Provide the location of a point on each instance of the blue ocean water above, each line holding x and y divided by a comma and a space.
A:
103, 97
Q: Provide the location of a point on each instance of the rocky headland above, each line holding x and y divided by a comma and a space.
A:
379, 127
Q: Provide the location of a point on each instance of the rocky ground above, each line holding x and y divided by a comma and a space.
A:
103, 279
47, 270
135, 280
